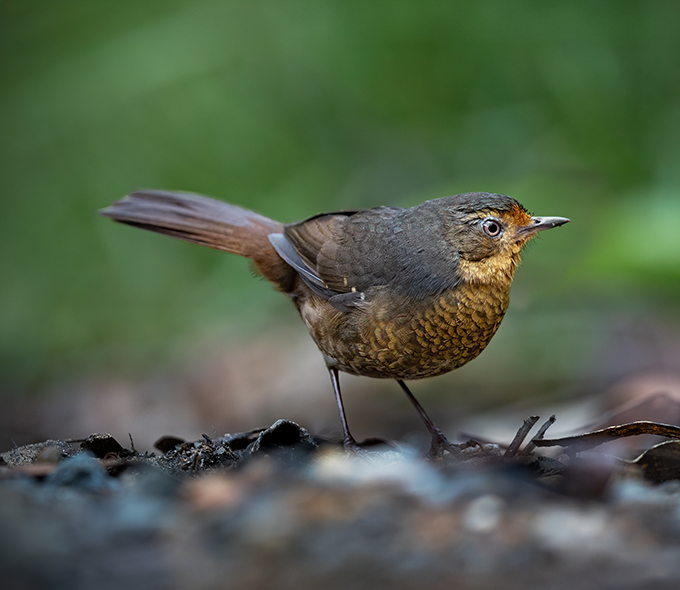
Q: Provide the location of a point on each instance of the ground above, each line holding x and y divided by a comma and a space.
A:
278, 508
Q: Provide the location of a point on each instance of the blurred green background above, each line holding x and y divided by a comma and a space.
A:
291, 108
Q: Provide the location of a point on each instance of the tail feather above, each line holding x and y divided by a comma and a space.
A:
207, 222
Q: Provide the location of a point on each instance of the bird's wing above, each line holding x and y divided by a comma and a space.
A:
286, 251
342, 256
343, 249
308, 247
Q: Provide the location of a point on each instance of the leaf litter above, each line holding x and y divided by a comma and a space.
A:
278, 508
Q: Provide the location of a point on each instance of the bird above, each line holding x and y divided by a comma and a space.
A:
387, 292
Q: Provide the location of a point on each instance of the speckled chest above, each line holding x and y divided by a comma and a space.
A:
401, 339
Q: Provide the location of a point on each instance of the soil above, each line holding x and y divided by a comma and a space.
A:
278, 508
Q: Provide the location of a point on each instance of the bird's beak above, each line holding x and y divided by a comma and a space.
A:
540, 223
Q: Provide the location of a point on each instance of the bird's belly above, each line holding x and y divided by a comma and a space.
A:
410, 340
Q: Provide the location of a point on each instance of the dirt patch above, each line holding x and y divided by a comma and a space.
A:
278, 508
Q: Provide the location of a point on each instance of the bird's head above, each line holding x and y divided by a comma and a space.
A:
488, 232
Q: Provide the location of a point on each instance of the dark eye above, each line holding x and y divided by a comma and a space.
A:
492, 227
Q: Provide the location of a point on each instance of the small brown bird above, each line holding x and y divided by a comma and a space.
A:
387, 292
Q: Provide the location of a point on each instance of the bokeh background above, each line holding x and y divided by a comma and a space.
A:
298, 107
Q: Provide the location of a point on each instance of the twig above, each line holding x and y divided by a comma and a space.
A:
531, 445
528, 424
586, 441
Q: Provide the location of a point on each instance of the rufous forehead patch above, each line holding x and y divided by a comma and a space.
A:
520, 214
515, 215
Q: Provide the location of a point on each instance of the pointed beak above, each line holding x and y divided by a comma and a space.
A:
540, 223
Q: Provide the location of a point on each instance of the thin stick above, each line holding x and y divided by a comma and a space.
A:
539, 435
513, 447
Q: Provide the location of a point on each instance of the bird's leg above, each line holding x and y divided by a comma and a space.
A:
348, 441
439, 442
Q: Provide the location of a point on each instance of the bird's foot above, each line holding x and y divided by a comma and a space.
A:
351, 445
367, 446
441, 445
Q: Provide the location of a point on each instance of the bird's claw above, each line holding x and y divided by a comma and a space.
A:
440, 445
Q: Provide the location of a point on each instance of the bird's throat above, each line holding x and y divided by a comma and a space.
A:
497, 270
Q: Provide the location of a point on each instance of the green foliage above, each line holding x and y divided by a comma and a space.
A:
291, 108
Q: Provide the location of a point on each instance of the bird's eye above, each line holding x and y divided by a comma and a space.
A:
492, 227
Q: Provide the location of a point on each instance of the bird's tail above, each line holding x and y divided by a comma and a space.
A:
208, 222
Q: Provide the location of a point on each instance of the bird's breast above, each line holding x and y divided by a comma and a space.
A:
398, 338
